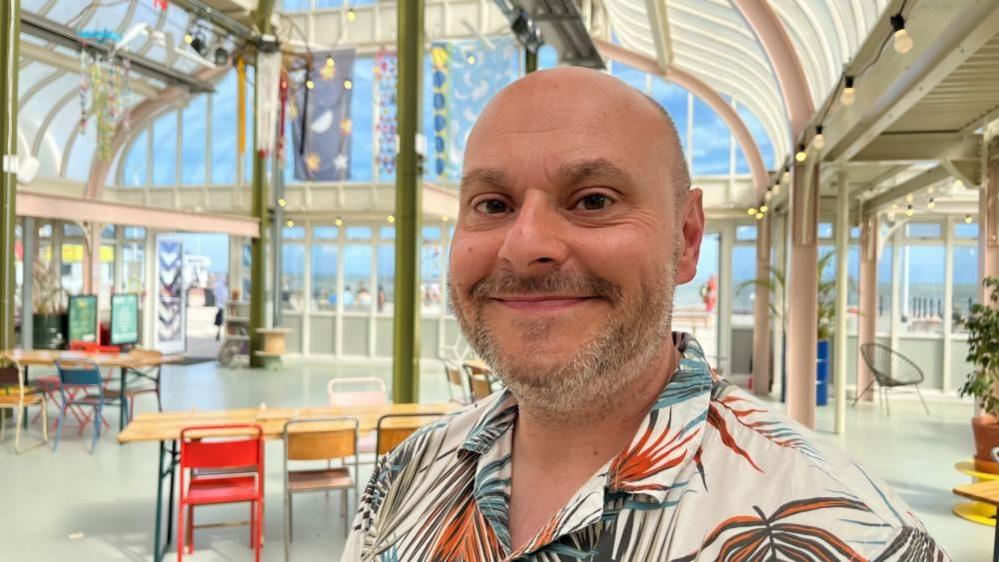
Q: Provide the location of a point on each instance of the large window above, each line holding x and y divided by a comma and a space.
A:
357, 296
325, 252
966, 277
386, 270
431, 287
293, 268
884, 288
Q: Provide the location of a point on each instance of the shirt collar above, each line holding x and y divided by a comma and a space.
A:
665, 443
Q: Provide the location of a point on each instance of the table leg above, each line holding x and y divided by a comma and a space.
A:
157, 554
122, 400
159, 545
995, 544
173, 466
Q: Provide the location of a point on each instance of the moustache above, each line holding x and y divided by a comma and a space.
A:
505, 282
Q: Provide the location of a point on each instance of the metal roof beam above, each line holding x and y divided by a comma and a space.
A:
912, 185
906, 147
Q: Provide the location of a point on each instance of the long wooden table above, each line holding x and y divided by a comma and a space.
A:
165, 427
121, 361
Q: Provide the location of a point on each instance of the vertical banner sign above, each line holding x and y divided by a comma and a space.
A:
171, 313
321, 123
387, 124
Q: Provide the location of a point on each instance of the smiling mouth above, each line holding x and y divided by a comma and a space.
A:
541, 303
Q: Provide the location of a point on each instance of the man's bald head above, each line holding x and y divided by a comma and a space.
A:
625, 107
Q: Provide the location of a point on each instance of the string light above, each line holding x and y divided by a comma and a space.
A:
351, 15
968, 219
759, 216
751, 211
471, 59
820, 140
290, 223
910, 198
338, 221
784, 178
801, 155
903, 41
390, 219
347, 84
282, 202
764, 208
310, 84
931, 203
849, 95
330, 62
444, 218
777, 188
909, 211
768, 196
958, 184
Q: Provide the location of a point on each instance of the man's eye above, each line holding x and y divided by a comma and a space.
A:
594, 202
492, 207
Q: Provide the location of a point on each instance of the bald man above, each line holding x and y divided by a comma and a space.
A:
612, 440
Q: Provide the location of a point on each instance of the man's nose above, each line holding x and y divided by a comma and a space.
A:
534, 244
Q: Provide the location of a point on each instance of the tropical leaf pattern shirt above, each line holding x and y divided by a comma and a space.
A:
711, 475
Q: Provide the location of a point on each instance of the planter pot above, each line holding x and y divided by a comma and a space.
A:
986, 431
48, 331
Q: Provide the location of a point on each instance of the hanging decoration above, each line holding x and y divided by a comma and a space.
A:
322, 132
386, 123
440, 57
268, 79
104, 90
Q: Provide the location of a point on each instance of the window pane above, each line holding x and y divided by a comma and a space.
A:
224, 139
430, 270
70, 230
293, 233
745, 232
922, 288
884, 289
136, 165
293, 276
966, 230
135, 232
356, 278
324, 265
165, 150
743, 277
133, 265
825, 230
966, 281
325, 233
922, 230
386, 278
358, 232
194, 144
711, 142
387, 233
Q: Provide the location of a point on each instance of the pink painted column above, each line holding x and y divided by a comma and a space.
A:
802, 302
761, 311
867, 322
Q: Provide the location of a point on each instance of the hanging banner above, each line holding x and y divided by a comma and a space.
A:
321, 124
387, 123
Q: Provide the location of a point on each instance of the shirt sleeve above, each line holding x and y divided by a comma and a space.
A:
911, 544
360, 540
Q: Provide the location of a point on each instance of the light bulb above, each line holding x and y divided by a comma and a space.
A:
910, 198
390, 219
967, 219
849, 95
908, 211
351, 15
330, 62
471, 59
903, 42
958, 184
768, 196
338, 221
930, 190
282, 202
188, 38
310, 84
931, 204
784, 178
759, 216
347, 84
444, 218
751, 211
801, 155
290, 223
764, 208
820, 140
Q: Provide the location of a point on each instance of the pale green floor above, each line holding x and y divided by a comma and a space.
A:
71, 505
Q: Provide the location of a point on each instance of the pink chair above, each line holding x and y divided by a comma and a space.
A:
359, 391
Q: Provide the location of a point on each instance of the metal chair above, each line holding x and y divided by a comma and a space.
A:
148, 380
393, 429
456, 384
14, 395
891, 369
320, 439
481, 385
83, 375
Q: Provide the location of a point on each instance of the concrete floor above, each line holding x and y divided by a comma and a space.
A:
71, 505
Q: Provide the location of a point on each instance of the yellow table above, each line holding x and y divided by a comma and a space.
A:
163, 427
977, 511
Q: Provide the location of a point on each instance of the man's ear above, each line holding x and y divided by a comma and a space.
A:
691, 233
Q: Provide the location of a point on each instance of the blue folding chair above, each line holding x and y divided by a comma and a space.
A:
82, 376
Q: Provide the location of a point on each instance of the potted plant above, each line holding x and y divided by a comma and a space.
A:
826, 314
49, 312
982, 324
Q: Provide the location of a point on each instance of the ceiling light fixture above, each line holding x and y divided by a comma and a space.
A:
903, 41
849, 95
820, 140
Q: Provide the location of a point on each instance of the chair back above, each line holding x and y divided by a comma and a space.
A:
476, 368
453, 373
320, 439
79, 372
11, 373
357, 391
890, 368
222, 446
482, 387
393, 429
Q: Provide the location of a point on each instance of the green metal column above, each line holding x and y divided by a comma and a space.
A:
261, 200
406, 348
10, 23
530, 61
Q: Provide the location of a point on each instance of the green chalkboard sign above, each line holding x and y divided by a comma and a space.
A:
83, 318
124, 318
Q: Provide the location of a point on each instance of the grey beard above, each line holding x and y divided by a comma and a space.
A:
593, 378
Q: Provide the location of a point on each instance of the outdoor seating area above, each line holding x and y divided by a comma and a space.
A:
239, 249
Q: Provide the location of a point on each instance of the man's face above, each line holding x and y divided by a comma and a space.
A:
568, 241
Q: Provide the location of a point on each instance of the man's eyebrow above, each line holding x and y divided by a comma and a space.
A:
588, 169
488, 176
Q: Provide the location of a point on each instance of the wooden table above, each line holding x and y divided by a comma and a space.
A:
985, 492
121, 361
164, 427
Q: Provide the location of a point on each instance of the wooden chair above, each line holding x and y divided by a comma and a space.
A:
393, 429
14, 395
482, 386
221, 448
320, 439
456, 383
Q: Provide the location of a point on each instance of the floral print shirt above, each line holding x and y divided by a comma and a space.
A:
711, 475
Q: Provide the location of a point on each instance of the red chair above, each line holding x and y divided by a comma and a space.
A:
221, 464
